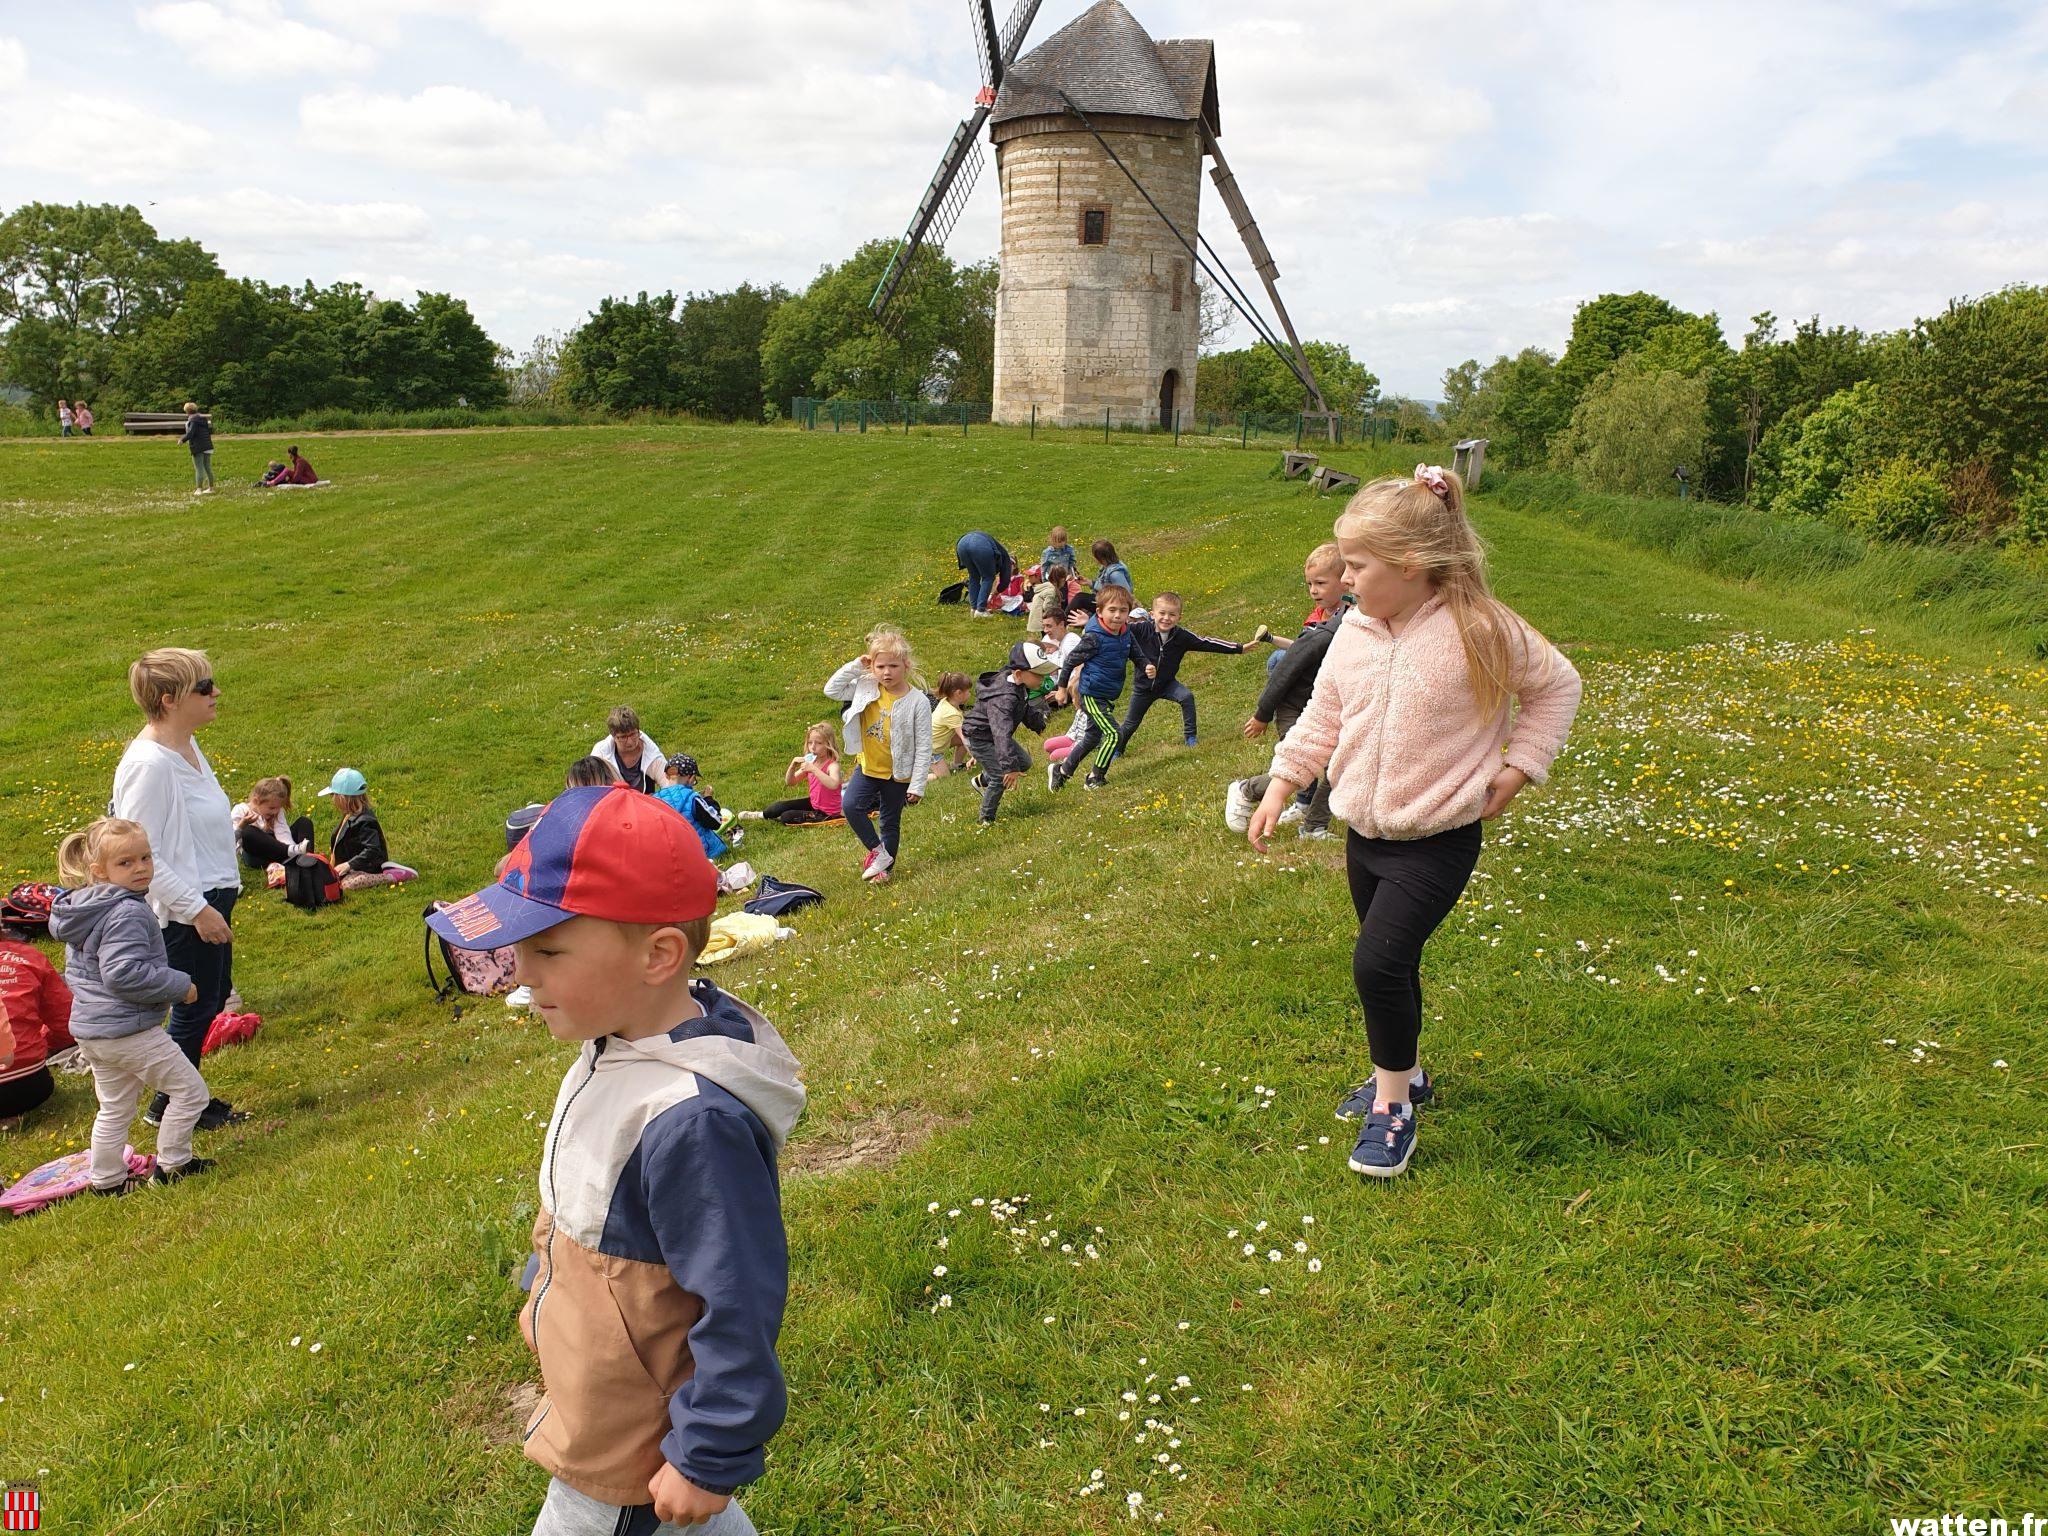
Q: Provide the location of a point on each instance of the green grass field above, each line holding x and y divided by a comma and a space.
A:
1731, 1215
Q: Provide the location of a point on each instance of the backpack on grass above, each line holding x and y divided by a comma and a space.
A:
472, 972
310, 881
28, 906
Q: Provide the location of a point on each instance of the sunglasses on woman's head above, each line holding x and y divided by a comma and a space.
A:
204, 687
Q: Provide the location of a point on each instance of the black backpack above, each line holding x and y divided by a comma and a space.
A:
310, 881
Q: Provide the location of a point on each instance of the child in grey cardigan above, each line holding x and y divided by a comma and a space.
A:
121, 984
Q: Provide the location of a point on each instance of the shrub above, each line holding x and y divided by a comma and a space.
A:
2030, 503
1900, 500
1837, 443
1634, 426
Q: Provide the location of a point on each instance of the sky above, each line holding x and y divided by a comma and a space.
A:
1436, 181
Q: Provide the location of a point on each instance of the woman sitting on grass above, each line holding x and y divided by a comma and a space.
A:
357, 847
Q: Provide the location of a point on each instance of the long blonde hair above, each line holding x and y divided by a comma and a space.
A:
887, 637
1413, 522
77, 854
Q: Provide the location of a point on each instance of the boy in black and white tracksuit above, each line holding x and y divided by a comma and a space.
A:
1158, 642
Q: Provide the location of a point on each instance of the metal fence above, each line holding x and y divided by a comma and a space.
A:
1244, 427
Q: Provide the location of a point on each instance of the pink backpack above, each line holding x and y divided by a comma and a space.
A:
476, 972
63, 1177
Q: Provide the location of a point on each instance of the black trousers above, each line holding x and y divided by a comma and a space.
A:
1142, 699
212, 969
260, 849
860, 801
25, 1093
1402, 891
792, 813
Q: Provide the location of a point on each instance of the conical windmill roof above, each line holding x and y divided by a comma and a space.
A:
1107, 63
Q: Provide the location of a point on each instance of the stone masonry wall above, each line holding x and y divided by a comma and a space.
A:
1080, 327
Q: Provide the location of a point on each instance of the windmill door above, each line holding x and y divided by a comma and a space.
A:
1169, 388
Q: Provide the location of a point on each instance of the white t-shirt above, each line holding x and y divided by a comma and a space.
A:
190, 825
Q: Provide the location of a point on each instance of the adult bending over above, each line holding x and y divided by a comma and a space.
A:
631, 752
988, 566
165, 783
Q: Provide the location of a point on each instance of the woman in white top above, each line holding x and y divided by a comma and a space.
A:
165, 783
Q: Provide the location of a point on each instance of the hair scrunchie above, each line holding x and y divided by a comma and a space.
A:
1432, 475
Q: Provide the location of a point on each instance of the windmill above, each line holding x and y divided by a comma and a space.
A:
1100, 134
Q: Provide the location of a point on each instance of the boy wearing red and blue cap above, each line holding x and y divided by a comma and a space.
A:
660, 1204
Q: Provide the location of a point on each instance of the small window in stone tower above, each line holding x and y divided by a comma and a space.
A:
1095, 226
1180, 277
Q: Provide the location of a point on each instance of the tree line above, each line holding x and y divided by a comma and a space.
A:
1938, 430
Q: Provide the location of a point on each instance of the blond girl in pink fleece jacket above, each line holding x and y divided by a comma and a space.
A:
1435, 704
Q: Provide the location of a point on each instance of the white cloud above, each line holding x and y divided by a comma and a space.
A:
255, 218
97, 138
13, 63
446, 129
250, 39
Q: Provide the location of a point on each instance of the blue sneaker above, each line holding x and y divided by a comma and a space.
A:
1385, 1144
1189, 742
1358, 1103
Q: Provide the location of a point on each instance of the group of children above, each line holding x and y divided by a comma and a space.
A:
660, 1267
74, 415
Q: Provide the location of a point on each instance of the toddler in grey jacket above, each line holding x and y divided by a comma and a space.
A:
122, 983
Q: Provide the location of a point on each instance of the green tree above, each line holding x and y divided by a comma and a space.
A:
967, 368
246, 350
1816, 456
1604, 331
1898, 500
1256, 379
822, 342
625, 357
75, 283
1633, 428
718, 351
457, 363
1972, 382
1514, 403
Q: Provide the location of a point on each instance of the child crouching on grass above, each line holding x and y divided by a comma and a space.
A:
122, 985
683, 792
887, 731
818, 771
949, 747
1411, 714
661, 1264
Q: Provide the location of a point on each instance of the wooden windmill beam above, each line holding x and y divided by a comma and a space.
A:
1255, 246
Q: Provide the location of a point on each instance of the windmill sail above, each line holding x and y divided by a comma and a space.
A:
945, 197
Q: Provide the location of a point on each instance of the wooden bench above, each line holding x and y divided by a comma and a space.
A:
153, 423
1293, 465
1327, 480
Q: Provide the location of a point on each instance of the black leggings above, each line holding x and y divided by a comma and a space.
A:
793, 813
260, 849
25, 1093
1402, 890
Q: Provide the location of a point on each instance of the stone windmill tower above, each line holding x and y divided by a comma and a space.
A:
1100, 134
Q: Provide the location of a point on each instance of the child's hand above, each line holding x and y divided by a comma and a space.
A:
1254, 728
1150, 670
191, 993
912, 799
1506, 785
1267, 816
1010, 780
678, 1501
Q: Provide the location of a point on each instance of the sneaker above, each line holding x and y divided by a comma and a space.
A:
749, 815
1055, 780
1315, 834
1292, 814
154, 1115
1263, 633
879, 864
184, 1170
220, 1112
1094, 781
115, 1191
1385, 1143
519, 997
1189, 741
1358, 1103
400, 874
979, 781
868, 863
1238, 807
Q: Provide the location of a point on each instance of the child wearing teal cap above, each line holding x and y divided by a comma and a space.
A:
357, 848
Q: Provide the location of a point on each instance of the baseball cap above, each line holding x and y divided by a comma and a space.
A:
1030, 656
684, 764
597, 851
347, 781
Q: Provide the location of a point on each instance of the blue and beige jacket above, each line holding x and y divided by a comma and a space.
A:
660, 1261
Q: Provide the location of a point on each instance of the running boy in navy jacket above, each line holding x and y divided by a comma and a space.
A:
660, 1261
1100, 659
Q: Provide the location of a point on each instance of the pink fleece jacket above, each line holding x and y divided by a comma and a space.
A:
1394, 720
